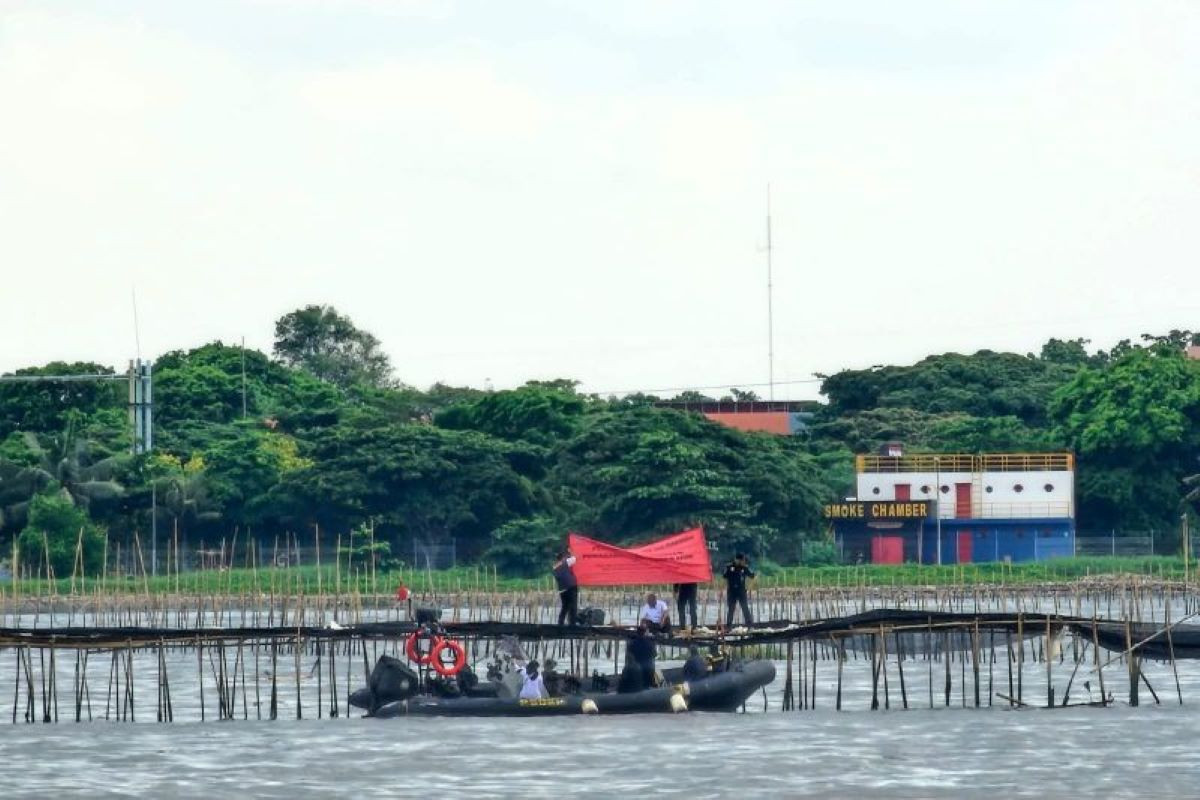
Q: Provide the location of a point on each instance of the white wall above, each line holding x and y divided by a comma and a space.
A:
1002, 502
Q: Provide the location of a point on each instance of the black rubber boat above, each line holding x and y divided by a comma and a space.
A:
1150, 640
393, 693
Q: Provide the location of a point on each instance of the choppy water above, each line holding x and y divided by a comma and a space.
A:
950, 752
1121, 752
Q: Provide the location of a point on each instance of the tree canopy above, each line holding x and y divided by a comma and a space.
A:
329, 346
322, 435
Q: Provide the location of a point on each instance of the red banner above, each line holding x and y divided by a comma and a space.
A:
680, 558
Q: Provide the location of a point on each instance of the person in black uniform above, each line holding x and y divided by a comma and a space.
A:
737, 573
568, 588
643, 652
695, 668
685, 595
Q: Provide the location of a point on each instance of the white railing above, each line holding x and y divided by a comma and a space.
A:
948, 509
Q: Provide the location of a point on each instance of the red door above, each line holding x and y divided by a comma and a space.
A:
964, 547
904, 491
962, 500
887, 550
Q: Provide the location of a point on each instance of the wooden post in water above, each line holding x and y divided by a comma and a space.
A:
1046, 651
1171, 649
887, 702
1020, 657
975, 659
1131, 663
813, 703
946, 661
929, 656
1096, 656
841, 660
297, 648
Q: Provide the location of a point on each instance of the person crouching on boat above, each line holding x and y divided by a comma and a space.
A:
695, 668
655, 614
643, 652
533, 687
568, 588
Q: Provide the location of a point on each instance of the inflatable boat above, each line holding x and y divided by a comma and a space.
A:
395, 691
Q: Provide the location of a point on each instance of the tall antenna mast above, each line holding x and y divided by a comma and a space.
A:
243, 377
770, 309
137, 332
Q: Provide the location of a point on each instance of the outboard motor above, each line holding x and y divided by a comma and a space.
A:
391, 680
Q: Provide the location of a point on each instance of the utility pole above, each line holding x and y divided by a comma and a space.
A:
937, 504
142, 417
770, 308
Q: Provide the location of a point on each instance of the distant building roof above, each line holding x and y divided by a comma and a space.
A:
782, 417
735, 407
1193, 351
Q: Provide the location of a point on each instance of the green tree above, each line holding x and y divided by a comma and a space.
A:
204, 386
526, 546
421, 483
1136, 427
328, 345
243, 469
63, 460
983, 384
60, 530
533, 413
632, 472
45, 406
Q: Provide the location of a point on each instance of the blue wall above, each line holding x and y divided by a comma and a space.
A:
995, 539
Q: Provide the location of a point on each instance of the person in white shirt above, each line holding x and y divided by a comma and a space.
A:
532, 685
656, 614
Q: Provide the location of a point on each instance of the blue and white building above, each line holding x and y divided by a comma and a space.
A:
985, 507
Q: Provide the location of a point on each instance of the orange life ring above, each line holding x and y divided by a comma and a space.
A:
414, 654
454, 667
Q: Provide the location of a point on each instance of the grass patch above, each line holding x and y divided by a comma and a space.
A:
328, 580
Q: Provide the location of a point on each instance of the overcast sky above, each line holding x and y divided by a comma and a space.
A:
503, 191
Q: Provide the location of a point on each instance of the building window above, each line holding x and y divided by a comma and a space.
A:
988, 490
945, 489
1018, 488
875, 490
1049, 487
925, 489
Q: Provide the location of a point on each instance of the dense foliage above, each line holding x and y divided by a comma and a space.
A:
321, 437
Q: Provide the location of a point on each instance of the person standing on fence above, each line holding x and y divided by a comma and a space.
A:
737, 574
568, 588
685, 596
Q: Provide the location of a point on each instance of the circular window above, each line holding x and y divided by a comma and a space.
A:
988, 490
925, 489
1018, 488
1049, 487
875, 490
945, 489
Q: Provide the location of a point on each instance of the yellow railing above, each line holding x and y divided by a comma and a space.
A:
967, 462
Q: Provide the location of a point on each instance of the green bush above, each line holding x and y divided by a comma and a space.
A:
54, 530
819, 553
526, 547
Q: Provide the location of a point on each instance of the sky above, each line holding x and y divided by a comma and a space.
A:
516, 191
